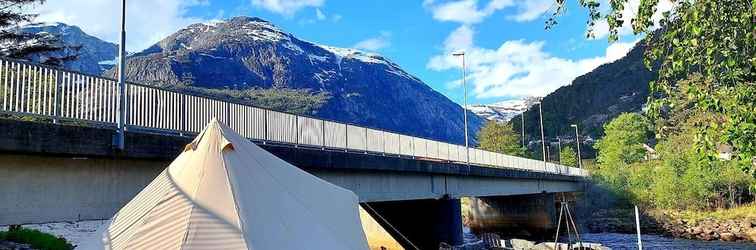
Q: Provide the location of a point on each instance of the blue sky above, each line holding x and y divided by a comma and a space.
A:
509, 53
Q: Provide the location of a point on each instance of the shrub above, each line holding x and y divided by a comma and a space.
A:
36, 239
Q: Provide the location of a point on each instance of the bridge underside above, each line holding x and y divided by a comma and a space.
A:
60, 173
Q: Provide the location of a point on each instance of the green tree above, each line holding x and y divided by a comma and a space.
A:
24, 45
568, 157
623, 142
713, 39
500, 138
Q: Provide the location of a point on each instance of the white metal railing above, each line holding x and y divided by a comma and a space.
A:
32, 89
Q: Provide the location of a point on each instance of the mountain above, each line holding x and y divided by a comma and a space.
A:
252, 59
502, 111
94, 55
594, 98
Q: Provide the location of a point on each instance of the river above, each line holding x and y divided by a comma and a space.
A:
629, 241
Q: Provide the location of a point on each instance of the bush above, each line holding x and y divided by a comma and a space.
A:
36, 239
679, 178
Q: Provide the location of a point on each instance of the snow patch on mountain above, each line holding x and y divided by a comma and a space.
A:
502, 111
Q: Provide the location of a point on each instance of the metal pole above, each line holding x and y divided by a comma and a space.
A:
559, 146
522, 126
121, 79
543, 139
577, 141
464, 86
637, 228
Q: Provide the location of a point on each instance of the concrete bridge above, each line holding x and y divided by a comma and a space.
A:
61, 164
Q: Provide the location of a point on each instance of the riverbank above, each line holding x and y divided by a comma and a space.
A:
735, 225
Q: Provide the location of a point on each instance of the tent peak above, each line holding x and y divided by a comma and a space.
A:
215, 128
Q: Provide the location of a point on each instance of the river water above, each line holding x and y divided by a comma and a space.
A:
617, 241
630, 241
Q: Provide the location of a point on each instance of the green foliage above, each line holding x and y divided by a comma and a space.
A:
297, 101
500, 138
37, 239
711, 40
568, 157
679, 178
623, 143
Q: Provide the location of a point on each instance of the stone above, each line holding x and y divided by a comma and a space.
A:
727, 236
520, 244
751, 235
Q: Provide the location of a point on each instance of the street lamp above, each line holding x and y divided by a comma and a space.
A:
543, 139
577, 141
464, 86
121, 118
559, 153
522, 125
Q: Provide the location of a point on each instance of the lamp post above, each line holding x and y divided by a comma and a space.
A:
464, 86
121, 117
522, 126
559, 147
577, 141
543, 139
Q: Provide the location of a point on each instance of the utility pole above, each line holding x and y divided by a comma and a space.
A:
559, 145
464, 86
522, 125
543, 139
577, 141
121, 117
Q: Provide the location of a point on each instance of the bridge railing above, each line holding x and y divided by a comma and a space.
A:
31, 89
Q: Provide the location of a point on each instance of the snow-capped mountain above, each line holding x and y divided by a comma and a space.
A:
246, 53
502, 111
94, 55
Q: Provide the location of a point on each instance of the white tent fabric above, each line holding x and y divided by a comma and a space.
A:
225, 192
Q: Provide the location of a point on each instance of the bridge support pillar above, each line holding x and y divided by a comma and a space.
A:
424, 223
519, 215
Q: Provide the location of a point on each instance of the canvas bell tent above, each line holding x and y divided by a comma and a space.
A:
225, 192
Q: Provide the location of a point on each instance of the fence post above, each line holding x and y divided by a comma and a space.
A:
228, 113
182, 114
265, 126
58, 99
296, 131
323, 138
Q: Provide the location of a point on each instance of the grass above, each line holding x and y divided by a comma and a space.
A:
747, 211
741, 212
36, 239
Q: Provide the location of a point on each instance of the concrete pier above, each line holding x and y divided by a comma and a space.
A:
420, 223
533, 214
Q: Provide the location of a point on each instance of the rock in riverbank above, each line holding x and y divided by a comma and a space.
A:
673, 224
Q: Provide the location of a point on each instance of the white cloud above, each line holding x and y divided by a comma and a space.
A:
319, 14
516, 68
531, 10
375, 43
286, 7
148, 21
468, 11
601, 29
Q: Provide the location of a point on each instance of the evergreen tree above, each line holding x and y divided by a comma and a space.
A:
22, 45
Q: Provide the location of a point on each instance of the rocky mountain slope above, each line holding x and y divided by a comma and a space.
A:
94, 55
246, 54
502, 111
594, 98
